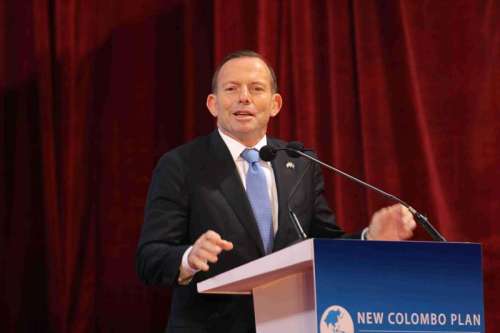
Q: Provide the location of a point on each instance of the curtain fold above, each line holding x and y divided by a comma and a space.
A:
404, 94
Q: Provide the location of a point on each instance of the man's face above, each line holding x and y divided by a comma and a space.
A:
244, 101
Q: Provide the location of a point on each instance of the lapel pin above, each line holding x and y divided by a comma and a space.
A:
290, 165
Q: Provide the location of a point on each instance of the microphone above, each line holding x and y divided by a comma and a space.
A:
296, 148
268, 153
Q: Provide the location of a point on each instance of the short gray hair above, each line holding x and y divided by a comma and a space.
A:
244, 54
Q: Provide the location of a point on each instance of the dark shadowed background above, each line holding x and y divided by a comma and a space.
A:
404, 94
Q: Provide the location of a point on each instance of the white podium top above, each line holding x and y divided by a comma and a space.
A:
241, 280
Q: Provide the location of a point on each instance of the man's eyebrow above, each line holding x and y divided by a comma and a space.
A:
230, 82
261, 82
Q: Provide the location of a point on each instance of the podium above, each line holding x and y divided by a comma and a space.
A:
320, 285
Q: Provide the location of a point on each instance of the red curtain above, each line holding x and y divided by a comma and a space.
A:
404, 94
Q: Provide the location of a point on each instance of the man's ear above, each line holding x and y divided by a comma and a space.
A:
277, 104
211, 104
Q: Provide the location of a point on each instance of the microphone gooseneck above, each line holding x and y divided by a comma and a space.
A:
294, 146
296, 149
268, 153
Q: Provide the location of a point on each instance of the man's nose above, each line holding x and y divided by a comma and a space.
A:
244, 95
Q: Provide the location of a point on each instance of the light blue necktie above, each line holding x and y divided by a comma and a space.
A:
259, 198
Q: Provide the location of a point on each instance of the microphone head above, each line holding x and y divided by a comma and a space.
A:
268, 153
294, 145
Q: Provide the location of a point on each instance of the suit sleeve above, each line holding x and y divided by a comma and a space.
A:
164, 235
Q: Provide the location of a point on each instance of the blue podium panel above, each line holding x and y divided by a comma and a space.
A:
398, 287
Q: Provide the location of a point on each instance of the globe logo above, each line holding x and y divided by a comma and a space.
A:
336, 319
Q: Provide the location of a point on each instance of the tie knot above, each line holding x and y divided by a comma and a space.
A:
250, 155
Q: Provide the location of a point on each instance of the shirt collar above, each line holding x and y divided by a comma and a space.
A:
236, 148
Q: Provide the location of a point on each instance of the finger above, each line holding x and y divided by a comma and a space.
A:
407, 213
404, 212
198, 263
408, 225
401, 214
206, 256
210, 247
216, 239
225, 245
412, 224
406, 234
408, 219
212, 236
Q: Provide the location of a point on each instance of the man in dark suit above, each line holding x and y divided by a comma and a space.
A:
205, 215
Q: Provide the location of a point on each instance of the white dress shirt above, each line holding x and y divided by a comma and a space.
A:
236, 148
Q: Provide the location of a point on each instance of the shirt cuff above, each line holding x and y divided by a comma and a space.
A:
185, 264
364, 234
186, 271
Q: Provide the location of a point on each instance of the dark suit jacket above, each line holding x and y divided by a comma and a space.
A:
196, 187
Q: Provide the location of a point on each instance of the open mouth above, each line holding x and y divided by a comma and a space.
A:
243, 114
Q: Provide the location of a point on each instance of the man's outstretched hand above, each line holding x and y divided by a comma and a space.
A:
206, 249
391, 223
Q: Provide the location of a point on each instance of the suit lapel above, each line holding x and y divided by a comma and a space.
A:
285, 179
229, 181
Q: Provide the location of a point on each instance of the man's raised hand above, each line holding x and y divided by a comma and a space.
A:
206, 249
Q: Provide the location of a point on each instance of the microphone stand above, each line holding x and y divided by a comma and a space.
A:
420, 218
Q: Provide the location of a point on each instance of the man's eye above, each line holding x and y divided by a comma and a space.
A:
258, 88
230, 89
